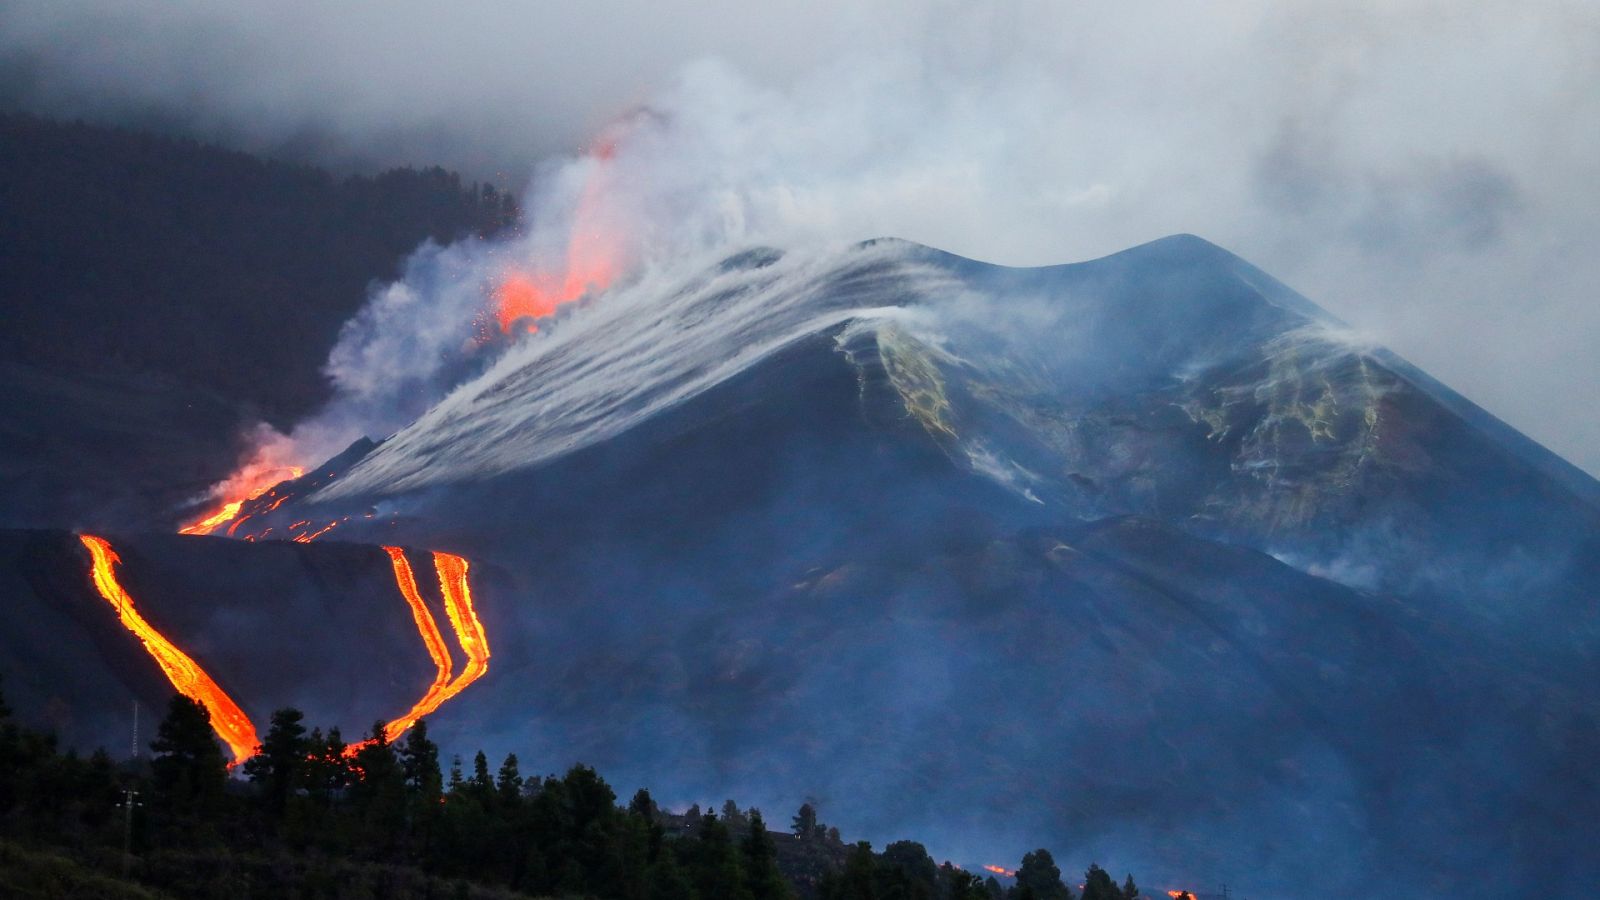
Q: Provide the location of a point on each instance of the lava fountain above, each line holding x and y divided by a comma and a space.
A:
594, 257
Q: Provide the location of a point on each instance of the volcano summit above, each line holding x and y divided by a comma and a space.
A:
1147, 557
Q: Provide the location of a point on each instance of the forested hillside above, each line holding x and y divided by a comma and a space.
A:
159, 295
312, 816
123, 251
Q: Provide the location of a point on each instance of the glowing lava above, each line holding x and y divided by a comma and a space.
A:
594, 258
439, 691
247, 484
1180, 895
230, 722
306, 537
1000, 870
469, 631
463, 617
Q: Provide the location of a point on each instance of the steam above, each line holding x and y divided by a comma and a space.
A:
1426, 173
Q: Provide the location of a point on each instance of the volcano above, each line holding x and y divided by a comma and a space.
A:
1147, 559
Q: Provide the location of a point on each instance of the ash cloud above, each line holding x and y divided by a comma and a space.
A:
1426, 171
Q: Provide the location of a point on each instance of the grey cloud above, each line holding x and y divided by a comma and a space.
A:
1403, 212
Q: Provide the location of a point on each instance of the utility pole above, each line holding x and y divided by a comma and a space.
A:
130, 799
133, 750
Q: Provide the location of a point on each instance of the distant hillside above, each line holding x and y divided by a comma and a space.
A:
159, 294
122, 251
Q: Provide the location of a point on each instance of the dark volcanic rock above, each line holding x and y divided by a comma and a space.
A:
1142, 560
319, 627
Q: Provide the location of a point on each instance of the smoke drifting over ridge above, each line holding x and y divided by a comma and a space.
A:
1427, 172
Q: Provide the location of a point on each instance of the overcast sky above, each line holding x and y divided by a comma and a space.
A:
1428, 171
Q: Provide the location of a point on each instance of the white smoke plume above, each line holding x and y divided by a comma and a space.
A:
1426, 171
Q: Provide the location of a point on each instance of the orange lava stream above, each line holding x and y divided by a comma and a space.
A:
230, 722
261, 480
309, 536
211, 522
439, 691
464, 622
469, 631
1001, 870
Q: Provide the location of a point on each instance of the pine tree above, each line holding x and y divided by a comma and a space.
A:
189, 772
857, 881
1097, 885
912, 872
961, 884
481, 785
665, 879
419, 760
508, 785
457, 785
642, 805
378, 795
718, 873
734, 818
1040, 875
1130, 891
761, 874
805, 823
279, 766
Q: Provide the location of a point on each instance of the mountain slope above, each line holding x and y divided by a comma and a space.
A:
1141, 558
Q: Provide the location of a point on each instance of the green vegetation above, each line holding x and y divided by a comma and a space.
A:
313, 817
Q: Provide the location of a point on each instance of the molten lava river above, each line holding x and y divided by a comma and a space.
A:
231, 723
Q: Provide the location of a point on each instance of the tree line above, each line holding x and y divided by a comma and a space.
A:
312, 816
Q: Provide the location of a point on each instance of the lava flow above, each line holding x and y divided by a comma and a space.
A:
1000, 870
469, 631
452, 571
439, 691
255, 482
185, 674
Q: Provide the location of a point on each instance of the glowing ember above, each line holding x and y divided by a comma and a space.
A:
230, 722
1180, 895
1001, 870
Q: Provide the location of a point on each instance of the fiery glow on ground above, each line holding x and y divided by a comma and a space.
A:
307, 537
230, 722
1180, 895
250, 482
1001, 870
